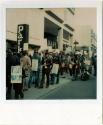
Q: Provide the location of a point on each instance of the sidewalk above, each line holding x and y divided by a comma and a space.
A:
35, 93
38, 93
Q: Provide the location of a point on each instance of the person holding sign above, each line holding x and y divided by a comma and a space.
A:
55, 68
35, 69
8, 73
26, 65
16, 76
46, 68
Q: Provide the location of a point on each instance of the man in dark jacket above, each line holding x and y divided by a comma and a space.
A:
17, 86
35, 73
56, 60
46, 68
8, 74
94, 63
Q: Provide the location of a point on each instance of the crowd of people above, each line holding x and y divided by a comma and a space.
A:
71, 64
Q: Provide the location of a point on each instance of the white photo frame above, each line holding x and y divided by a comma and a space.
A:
50, 112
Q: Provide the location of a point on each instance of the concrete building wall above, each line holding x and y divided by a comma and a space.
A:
25, 16
69, 18
35, 19
59, 12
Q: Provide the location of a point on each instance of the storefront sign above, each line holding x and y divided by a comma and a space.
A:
25, 46
34, 65
16, 74
22, 35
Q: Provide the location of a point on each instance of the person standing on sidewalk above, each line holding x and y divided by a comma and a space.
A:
56, 60
26, 66
35, 73
70, 65
94, 63
46, 68
82, 59
18, 87
61, 56
8, 74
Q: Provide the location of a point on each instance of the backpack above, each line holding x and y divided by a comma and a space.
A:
84, 76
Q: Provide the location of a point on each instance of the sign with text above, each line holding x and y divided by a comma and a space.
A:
55, 69
16, 74
25, 46
34, 65
22, 35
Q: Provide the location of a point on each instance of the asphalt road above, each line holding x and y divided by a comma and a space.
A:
74, 90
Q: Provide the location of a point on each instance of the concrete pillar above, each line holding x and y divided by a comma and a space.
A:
60, 39
71, 42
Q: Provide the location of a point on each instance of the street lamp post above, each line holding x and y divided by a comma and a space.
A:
75, 43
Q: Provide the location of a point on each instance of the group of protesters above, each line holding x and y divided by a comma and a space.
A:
50, 65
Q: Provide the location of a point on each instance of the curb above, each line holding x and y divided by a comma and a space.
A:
43, 93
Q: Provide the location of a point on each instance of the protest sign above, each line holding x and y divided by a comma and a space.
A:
34, 65
16, 74
70, 66
55, 69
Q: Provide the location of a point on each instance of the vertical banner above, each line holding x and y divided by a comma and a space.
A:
22, 35
16, 74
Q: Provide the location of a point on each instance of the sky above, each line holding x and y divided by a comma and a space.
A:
86, 16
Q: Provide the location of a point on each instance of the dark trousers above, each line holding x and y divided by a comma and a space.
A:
47, 73
53, 77
75, 71
9, 87
70, 71
62, 70
18, 90
34, 77
95, 70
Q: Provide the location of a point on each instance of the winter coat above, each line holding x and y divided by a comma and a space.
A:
26, 65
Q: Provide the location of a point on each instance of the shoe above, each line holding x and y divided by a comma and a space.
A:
21, 95
35, 86
52, 83
29, 86
57, 82
40, 87
16, 96
8, 96
47, 86
25, 89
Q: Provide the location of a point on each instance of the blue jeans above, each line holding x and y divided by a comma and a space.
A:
34, 77
55, 78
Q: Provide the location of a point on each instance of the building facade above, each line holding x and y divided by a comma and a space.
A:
86, 38
48, 27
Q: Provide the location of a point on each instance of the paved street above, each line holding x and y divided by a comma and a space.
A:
75, 90
67, 89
